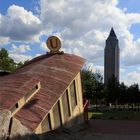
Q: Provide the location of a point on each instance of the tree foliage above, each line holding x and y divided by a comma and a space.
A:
7, 63
114, 92
92, 85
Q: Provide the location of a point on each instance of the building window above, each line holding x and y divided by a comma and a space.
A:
30, 93
16, 105
46, 124
14, 108
66, 106
36, 86
57, 115
73, 95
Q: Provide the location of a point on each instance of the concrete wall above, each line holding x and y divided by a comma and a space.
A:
10, 126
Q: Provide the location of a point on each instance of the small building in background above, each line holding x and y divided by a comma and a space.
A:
45, 93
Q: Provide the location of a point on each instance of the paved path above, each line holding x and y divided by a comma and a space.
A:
115, 127
95, 130
111, 130
110, 137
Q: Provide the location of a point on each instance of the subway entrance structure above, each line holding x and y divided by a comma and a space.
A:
45, 93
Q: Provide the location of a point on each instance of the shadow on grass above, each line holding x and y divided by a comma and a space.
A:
115, 115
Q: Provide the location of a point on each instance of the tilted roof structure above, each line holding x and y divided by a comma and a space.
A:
54, 72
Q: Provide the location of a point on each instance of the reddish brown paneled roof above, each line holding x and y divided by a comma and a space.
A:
54, 72
13, 87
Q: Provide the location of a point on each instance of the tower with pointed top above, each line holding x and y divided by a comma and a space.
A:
111, 57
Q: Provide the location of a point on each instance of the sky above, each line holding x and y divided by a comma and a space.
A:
82, 25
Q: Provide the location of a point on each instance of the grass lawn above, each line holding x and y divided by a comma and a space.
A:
115, 115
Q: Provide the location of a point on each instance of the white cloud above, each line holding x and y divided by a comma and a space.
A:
99, 69
38, 55
20, 57
18, 53
131, 52
133, 18
132, 77
43, 46
84, 27
27, 17
81, 25
95, 68
4, 41
20, 48
19, 24
122, 70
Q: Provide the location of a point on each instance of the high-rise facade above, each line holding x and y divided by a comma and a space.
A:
111, 57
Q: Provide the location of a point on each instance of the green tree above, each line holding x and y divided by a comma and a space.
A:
122, 99
6, 63
133, 94
92, 85
112, 91
20, 64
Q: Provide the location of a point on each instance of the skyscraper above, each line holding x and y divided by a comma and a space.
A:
111, 57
